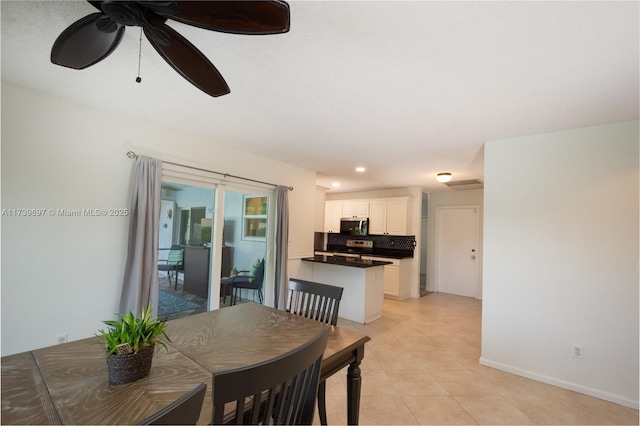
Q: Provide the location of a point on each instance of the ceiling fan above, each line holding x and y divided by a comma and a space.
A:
93, 38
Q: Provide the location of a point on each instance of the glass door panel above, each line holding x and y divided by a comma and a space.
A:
244, 256
185, 238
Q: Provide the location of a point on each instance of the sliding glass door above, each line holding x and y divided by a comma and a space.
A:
214, 246
184, 249
245, 246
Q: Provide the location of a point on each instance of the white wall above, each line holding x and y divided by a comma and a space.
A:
64, 274
561, 259
467, 197
321, 193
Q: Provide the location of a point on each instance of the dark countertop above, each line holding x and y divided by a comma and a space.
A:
390, 254
346, 261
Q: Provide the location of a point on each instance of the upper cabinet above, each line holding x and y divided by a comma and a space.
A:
390, 216
332, 215
378, 217
356, 208
386, 215
398, 211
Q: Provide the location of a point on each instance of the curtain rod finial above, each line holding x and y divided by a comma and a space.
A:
132, 155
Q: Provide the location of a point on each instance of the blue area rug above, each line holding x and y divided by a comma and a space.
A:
169, 304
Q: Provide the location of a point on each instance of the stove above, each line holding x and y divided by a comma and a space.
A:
359, 246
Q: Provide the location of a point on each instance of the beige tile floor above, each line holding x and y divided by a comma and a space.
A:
421, 367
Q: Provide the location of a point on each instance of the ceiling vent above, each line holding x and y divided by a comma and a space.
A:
465, 184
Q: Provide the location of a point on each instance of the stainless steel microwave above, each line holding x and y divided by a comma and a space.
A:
354, 226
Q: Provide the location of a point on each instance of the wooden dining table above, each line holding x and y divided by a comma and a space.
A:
69, 384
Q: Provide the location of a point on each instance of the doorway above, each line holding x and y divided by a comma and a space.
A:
184, 249
246, 233
423, 244
456, 266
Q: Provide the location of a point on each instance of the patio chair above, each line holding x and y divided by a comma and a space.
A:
252, 280
173, 263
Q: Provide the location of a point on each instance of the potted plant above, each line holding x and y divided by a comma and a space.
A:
130, 343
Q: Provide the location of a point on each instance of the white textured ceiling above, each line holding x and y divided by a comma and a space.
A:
406, 89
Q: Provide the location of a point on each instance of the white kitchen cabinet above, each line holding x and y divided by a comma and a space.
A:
356, 208
386, 215
397, 282
392, 280
390, 216
332, 215
397, 216
377, 217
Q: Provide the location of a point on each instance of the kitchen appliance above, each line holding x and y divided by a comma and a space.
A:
319, 241
354, 226
359, 246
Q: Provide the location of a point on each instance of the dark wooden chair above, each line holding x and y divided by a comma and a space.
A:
313, 300
184, 411
281, 390
319, 302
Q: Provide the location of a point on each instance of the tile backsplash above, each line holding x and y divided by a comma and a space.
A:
380, 242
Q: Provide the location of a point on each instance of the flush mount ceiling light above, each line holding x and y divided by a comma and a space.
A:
360, 169
335, 184
443, 177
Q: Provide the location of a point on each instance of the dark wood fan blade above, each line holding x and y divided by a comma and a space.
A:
96, 4
237, 17
186, 59
82, 44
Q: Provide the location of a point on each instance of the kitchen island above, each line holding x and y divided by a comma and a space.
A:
361, 279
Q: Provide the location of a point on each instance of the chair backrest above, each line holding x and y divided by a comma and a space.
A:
317, 301
257, 274
183, 411
176, 255
279, 391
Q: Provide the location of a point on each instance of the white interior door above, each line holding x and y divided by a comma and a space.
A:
456, 250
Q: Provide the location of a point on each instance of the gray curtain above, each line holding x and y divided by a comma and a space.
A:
282, 246
140, 284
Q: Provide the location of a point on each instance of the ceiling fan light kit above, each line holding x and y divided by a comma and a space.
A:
94, 37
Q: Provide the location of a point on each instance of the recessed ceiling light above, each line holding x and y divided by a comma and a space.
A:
360, 169
335, 184
443, 177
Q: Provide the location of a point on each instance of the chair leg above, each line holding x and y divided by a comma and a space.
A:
169, 275
322, 403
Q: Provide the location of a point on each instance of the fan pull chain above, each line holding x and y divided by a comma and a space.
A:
138, 78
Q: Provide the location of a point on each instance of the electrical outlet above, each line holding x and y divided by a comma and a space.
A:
62, 338
577, 351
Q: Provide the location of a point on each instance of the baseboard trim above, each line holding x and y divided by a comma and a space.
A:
616, 399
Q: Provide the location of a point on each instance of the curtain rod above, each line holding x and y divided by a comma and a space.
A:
133, 155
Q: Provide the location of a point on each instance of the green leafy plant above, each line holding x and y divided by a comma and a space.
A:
131, 334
